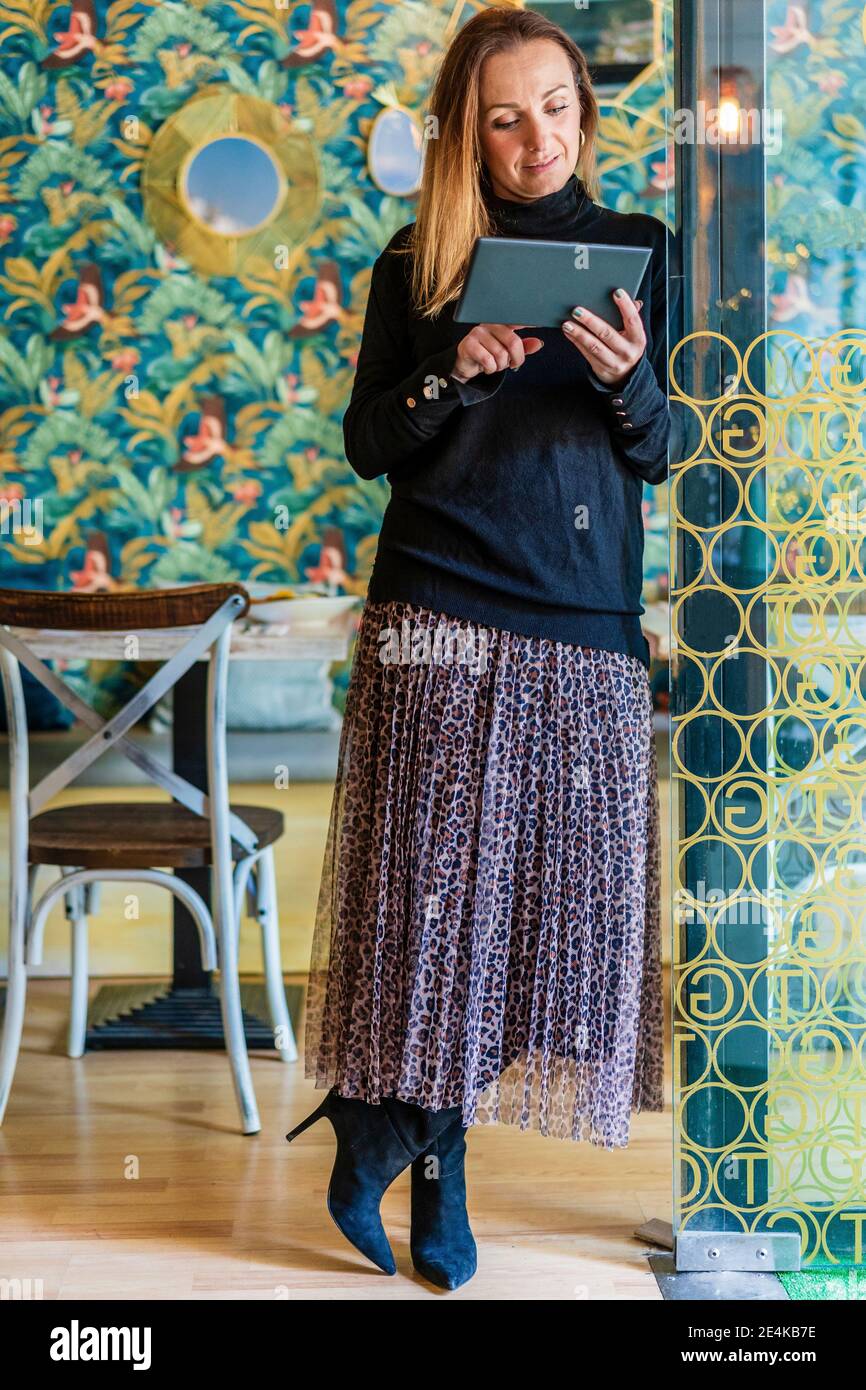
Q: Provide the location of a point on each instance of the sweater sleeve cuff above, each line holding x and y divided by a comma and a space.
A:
633, 401
431, 391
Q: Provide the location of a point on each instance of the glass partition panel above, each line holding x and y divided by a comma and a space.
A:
768, 635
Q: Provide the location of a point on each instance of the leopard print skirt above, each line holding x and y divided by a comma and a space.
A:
488, 924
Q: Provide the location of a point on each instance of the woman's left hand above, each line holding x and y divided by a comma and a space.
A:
611, 353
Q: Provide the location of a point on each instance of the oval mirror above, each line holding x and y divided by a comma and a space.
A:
232, 185
394, 154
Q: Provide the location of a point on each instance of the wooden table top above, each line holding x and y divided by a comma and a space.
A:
251, 641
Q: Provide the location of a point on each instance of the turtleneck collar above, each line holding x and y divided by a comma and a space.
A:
554, 215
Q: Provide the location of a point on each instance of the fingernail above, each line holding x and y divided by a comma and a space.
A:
617, 293
569, 327
576, 312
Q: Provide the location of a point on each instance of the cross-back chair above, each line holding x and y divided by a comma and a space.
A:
132, 841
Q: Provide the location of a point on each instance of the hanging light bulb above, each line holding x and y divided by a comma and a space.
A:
737, 90
729, 117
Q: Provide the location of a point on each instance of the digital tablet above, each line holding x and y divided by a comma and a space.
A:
537, 283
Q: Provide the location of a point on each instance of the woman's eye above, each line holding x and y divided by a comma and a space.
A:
554, 111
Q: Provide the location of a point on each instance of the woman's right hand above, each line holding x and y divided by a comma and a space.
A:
491, 347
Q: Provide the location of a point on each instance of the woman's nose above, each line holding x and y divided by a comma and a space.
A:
536, 141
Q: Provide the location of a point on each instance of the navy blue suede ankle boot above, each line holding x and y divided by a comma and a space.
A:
442, 1245
375, 1143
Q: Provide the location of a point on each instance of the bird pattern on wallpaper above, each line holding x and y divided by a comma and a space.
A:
209, 442
324, 306
166, 417
86, 309
80, 38
318, 36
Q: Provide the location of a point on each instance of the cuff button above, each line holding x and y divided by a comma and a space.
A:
443, 381
410, 400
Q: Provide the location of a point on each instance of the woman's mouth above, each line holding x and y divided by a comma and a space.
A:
539, 168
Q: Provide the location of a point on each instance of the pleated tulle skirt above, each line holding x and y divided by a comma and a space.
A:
488, 924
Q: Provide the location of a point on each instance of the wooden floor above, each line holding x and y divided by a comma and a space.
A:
123, 1175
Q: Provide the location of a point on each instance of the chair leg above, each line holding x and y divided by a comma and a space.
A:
230, 998
80, 989
16, 989
77, 902
76, 912
233, 1028
223, 884
32, 875
269, 921
13, 1024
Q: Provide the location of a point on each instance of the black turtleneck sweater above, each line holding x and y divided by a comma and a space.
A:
515, 497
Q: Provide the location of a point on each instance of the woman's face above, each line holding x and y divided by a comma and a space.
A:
529, 120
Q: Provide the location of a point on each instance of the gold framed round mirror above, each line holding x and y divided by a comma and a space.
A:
228, 180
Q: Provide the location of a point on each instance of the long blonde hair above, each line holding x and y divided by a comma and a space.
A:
451, 209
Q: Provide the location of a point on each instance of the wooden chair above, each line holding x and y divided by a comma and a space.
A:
110, 841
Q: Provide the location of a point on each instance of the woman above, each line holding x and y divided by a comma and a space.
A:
487, 943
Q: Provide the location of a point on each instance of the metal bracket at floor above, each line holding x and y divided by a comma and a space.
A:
751, 1252
720, 1266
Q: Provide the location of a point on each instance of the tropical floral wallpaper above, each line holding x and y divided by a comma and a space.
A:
816, 191
117, 356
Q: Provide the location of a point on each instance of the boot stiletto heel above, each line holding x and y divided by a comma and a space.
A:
310, 1120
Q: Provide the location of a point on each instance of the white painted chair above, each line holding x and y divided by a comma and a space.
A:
95, 843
